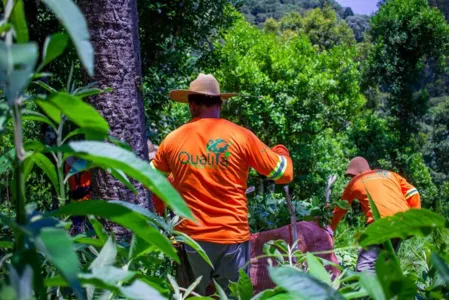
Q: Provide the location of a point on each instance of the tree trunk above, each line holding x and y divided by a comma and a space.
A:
114, 30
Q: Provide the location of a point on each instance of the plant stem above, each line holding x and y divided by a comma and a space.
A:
60, 164
19, 174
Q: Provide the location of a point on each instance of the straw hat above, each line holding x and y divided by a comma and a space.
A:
204, 84
357, 165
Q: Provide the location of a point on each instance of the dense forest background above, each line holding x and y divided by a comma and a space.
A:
311, 74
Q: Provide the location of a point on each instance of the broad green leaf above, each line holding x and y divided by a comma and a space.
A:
317, 269
99, 229
394, 284
243, 288
184, 238
83, 93
441, 266
54, 46
6, 244
122, 216
126, 161
73, 20
271, 248
157, 220
35, 116
140, 290
48, 167
221, 293
88, 241
57, 248
79, 112
402, 225
18, 20
138, 248
106, 257
17, 63
372, 285
301, 284
50, 110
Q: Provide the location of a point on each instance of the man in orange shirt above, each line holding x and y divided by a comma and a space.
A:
390, 192
209, 159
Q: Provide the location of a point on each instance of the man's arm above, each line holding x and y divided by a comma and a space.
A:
339, 212
274, 163
410, 193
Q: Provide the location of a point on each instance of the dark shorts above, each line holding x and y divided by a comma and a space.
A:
227, 260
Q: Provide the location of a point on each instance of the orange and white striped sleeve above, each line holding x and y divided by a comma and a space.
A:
410, 193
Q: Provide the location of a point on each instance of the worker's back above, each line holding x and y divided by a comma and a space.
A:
384, 188
209, 159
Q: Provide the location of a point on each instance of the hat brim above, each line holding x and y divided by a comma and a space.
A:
182, 96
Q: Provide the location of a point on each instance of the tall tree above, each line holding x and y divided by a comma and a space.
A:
406, 34
114, 30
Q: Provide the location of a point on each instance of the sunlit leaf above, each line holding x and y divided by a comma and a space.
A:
184, 238
54, 46
140, 290
126, 161
301, 284
372, 285
49, 168
317, 269
57, 247
123, 216
419, 222
243, 288
106, 257
35, 116
73, 20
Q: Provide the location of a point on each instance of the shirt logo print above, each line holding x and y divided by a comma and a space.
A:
217, 155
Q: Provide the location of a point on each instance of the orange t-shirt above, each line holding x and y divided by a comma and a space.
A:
390, 192
79, 184
209, 160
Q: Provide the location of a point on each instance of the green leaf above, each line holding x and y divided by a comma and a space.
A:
184, 238
35, 116
123, 216
4, 28
78, 131
221, 293
374, 210
301, 284
372, 285
243, 288
28, 166
5, 113
126, 161
6, 244
107, 255
271, 248
402, 225
48, 167
120, 176
79, 112
394, 284
83, 93
57, 247
441, 267
317, 269
99, 229
272, 294
17, 63
73, 20
19, 22
190, 289
140, 290
45, 87
54, 47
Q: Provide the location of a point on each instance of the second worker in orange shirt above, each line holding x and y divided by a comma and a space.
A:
209, 159
390, 192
